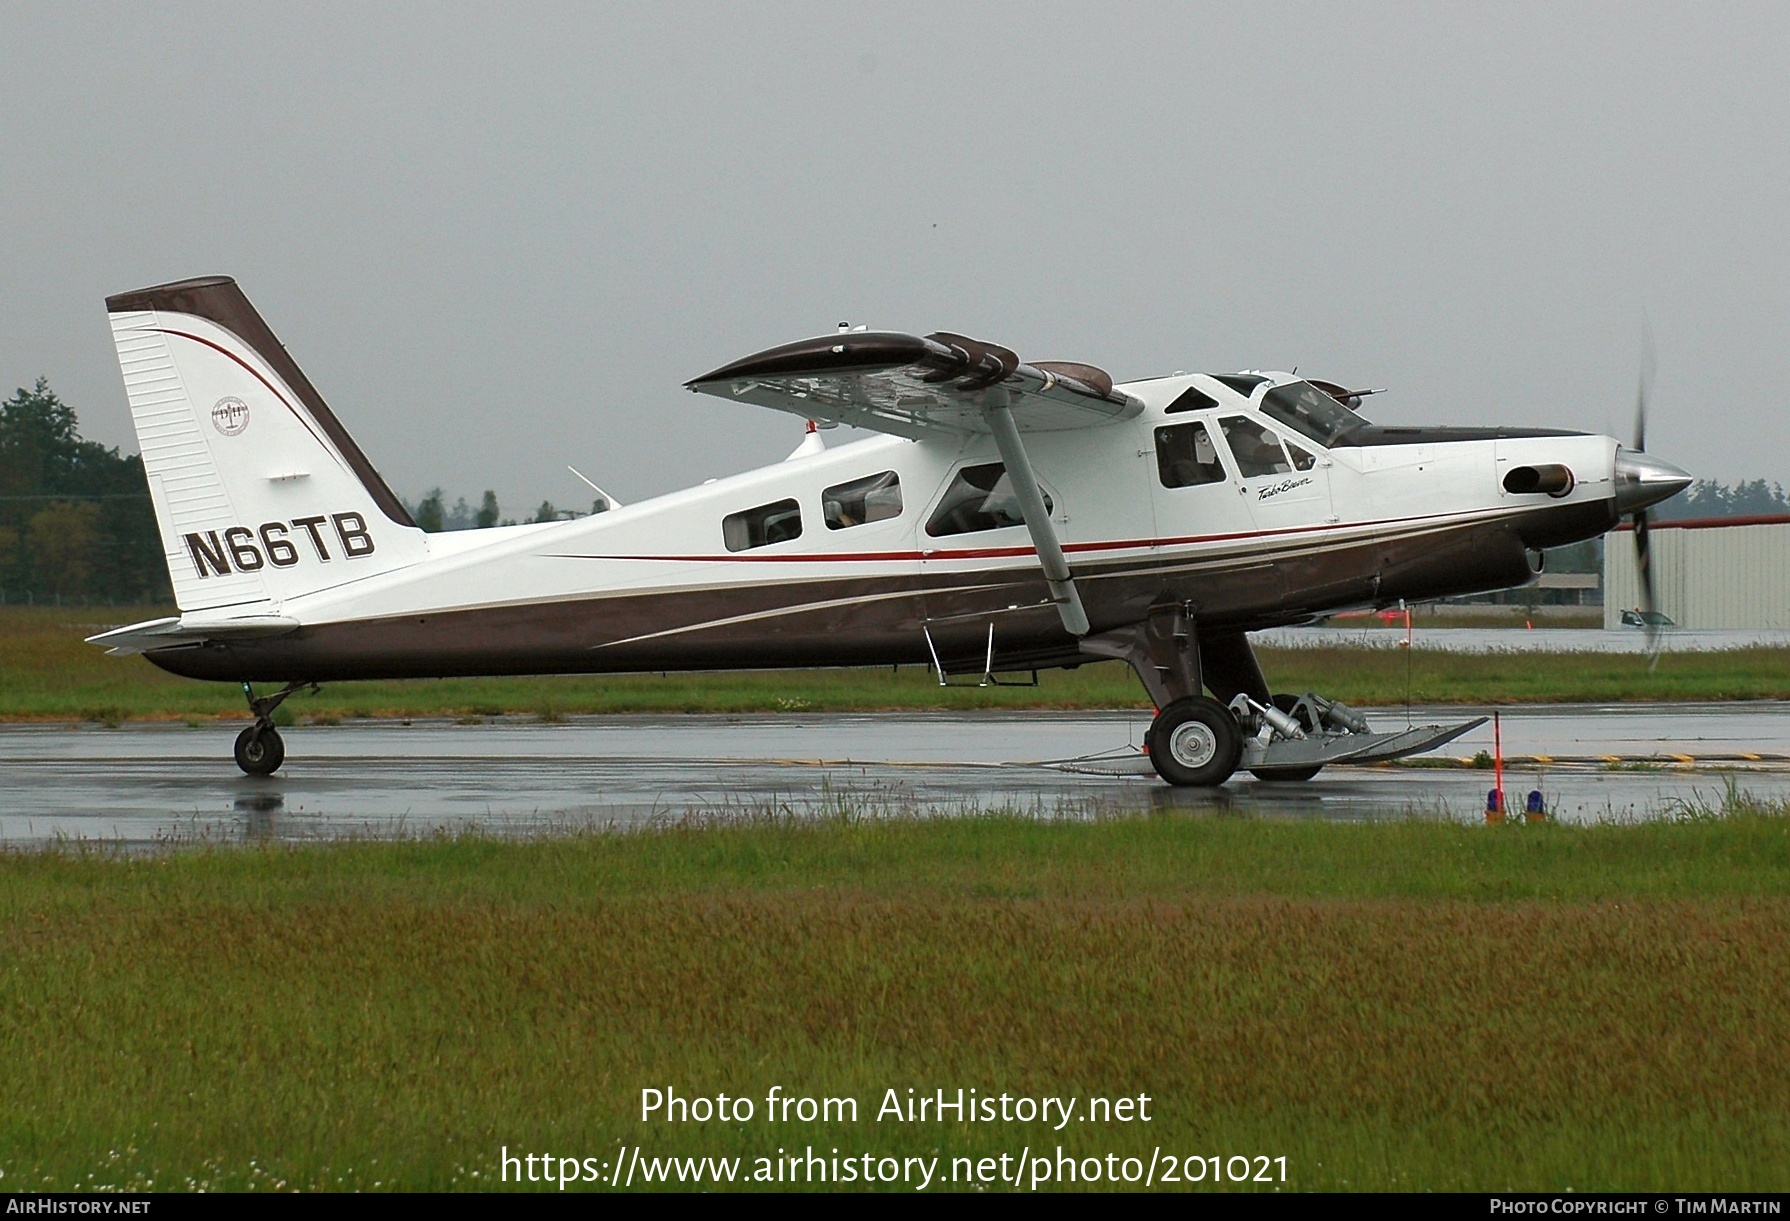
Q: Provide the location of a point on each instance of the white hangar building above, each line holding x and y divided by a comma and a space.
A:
1710, 573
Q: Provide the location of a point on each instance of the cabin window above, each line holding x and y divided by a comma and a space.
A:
872, 498
778, 522
979, 498
1304, 408
1186, 457
1256, 449
1302, 461
1191, 399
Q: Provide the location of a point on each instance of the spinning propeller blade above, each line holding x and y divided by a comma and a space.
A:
1643, 518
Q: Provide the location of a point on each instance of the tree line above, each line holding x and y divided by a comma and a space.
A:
435, 515
1709, 498
75, 517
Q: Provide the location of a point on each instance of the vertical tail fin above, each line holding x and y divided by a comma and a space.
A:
259, 491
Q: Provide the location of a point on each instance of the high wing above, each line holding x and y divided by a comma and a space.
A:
942, 385
917, 387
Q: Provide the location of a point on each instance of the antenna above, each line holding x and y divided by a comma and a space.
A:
611, 501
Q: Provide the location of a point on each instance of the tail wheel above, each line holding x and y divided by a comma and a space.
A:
1195, 742
259, 750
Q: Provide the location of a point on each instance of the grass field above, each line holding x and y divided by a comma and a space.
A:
47, 672
1395, 1005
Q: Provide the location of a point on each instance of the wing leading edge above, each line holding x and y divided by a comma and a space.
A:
918, 387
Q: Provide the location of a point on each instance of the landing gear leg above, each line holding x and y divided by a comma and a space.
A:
259, 749
1194, 740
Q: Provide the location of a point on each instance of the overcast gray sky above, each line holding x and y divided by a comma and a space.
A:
499, 238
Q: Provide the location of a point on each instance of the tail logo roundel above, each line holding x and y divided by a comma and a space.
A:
230, 416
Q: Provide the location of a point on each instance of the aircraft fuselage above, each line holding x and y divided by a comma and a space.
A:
669, 584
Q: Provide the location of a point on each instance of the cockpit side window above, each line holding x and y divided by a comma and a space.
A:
1256, 449
1302, 461
1305, 409
979, 498
872, 498
1186, 457
778, 522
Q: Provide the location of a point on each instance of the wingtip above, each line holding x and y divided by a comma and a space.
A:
856, 350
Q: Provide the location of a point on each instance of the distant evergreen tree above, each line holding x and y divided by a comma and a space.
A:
460, 516
487, 511
428, 514
75, 516
546, 512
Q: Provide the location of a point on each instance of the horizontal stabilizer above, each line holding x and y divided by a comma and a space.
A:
916, 387
183, 632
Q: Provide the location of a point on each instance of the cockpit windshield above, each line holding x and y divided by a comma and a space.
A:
1304, 408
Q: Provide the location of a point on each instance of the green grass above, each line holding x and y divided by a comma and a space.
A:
47, 672
1395, 1005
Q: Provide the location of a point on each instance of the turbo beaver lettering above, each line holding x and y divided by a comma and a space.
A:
240, 549
1285, 485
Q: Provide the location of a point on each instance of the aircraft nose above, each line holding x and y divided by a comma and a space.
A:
1643, 480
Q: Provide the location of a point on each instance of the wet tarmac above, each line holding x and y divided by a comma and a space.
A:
143, 785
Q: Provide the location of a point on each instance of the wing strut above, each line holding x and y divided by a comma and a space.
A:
999, 413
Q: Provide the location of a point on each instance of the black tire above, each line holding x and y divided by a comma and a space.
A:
1194, 742
1290, 774
259, 752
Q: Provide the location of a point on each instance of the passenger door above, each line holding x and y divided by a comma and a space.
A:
1195, 496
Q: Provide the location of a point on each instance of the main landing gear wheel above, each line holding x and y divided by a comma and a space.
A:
259, 750
1289, 704
1195, 742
